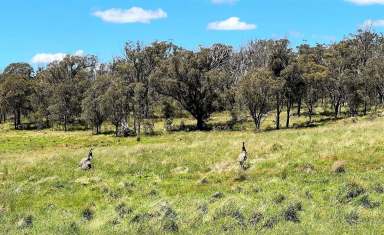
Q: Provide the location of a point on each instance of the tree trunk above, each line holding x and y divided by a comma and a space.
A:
138, 137
365, 108
65, 123
299, 107
116, 130
18, 117
278, 112
15, 120
310, 111
337, 105
200, 124
288, 113
257, 123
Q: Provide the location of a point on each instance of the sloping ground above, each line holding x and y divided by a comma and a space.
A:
190, 183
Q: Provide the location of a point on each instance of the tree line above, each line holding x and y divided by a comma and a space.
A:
161, 79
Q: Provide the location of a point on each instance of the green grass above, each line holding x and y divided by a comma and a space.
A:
153, 187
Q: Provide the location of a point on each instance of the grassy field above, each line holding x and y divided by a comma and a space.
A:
190, 182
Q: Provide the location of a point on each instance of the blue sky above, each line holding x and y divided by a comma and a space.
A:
38, 31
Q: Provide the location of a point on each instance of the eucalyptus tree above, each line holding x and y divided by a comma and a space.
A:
136, 68
256, 90
92, 105
314, 74
115, 103
194, 79
339, 63
15, 94
255, 55
41, 98
69, 79
16, 91
365, 44
23, 70
293, 88
278, 60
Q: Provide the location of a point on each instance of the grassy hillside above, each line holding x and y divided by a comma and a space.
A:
190, 182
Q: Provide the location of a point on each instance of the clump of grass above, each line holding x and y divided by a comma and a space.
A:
115, 221
216, 196
271, 222
350, 191
203, 181
378, 188
122, 210
25, 222
279, 199
153, 193
339, 167
276, 147
230, 209
366, 202
88, 214
202, 208
256, 218
291, 212
140, 217
352, 218
170, 226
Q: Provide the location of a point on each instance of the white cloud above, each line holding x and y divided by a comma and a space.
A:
46, 58
232, 23
224, 1
366, 2
372, 23
132, 15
